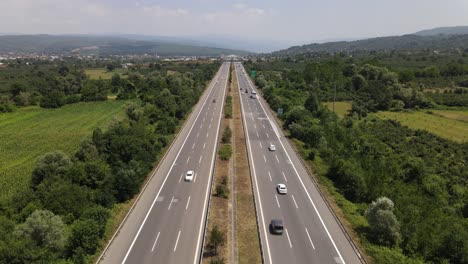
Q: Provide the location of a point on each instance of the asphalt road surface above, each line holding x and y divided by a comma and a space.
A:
167, 223
311, 233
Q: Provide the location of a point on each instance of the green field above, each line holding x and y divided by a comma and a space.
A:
31, 132
102, 73
461, 115
443, 123
341, 108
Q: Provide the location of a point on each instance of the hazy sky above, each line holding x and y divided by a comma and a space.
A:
294, 21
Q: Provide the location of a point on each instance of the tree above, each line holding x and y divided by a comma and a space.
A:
110, 67
384, 228
312, 104
52, 99
216, 238
51, 164
45, 229
85, 234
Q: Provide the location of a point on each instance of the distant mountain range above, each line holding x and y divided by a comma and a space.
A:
447, 38
109, 45
460, 30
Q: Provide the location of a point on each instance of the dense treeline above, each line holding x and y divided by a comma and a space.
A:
424, 218
53, 85
64, 214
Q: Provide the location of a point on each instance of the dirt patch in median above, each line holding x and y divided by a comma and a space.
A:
219, 208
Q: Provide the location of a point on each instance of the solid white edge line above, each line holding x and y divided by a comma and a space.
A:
287, 234
169, 172
310, 239
255, 178
177, 241
188, 202
197, 251
302, 183
155, 241
294, 200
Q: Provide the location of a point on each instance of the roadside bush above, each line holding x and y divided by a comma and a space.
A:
226, 135
228, 107
225, 152
222, 190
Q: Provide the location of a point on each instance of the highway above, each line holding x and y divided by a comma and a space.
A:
167, 223
311, 233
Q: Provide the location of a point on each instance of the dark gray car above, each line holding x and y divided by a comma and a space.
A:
276, 226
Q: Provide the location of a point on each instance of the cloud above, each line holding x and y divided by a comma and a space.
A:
239, 6
255, 11
159, 11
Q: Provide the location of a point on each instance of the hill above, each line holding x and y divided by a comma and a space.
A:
104, 45
403, 43
460, 30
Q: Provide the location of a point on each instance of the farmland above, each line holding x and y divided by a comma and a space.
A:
447, 124
341, 108
31, 132
96, 73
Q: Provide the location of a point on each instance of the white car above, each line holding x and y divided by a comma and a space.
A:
281, 188
272, 147
189, 176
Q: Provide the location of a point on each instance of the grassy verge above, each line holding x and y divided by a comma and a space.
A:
246, 222
32, 131
440, 125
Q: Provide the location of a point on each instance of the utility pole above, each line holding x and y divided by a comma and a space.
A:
334, 98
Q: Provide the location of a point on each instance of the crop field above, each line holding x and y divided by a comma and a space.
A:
341, 108
461, 115
30, 132
102, 73
444, 123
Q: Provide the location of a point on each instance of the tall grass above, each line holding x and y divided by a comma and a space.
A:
31, 132
442, 126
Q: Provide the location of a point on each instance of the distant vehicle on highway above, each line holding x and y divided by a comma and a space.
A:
254, 92
214, 100
246, 91
189, 176
281, 188
272, 147
253, 96
276, 226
